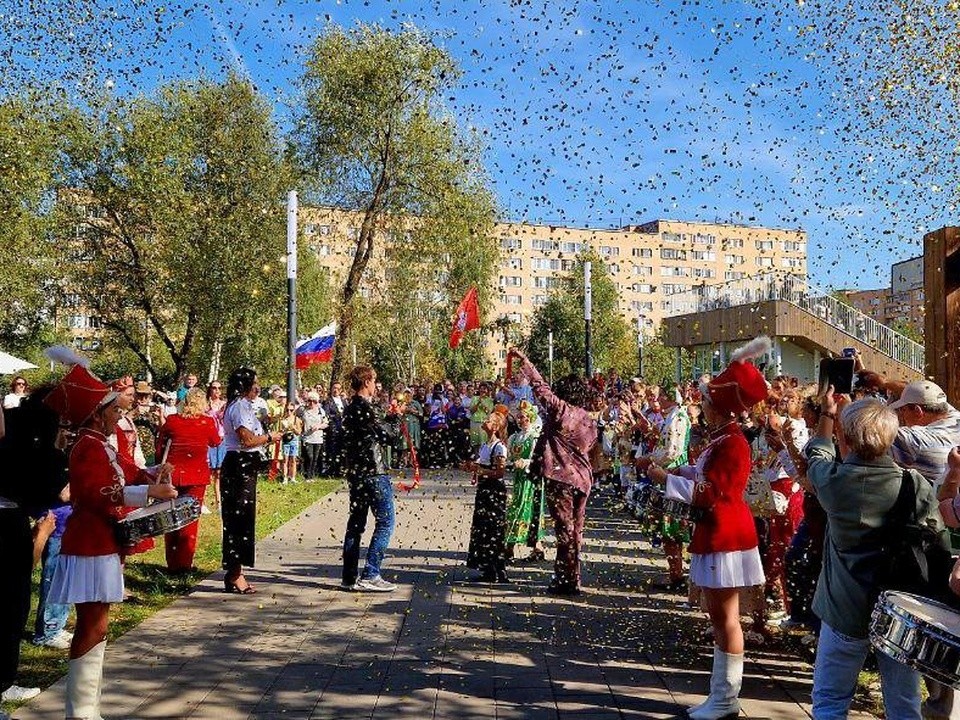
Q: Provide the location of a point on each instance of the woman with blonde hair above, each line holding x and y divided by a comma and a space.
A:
487, 551
186, 439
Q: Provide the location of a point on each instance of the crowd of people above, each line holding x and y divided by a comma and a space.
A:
769, 498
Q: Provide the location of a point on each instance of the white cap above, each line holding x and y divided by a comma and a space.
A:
920, 392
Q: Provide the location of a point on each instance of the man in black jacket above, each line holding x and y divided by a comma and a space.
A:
370, 486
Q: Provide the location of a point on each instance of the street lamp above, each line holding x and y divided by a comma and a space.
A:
640, 344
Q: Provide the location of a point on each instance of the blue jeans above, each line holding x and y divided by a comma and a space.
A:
373, 494
839, 660
51, 618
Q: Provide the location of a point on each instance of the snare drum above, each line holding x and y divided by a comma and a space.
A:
157, 519
657, 502
920, 633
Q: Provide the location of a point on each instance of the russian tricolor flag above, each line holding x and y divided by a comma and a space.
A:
317, 348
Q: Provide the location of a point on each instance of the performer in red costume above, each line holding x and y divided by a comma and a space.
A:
88, 571
190, 434
724, 555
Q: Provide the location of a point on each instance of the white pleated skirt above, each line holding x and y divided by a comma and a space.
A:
82, 578
734, 569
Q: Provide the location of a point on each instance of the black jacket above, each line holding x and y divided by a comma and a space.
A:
363, 438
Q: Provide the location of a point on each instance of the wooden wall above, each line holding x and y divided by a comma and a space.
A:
941, 281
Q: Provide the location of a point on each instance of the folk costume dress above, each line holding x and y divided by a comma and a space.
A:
487, 532
527, 510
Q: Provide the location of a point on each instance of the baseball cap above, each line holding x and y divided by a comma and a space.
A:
920, 392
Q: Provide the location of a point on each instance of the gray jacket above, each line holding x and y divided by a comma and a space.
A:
857, 495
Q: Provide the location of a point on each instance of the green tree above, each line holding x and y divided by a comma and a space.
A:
374, 135
613, 340
28, 151
177, 204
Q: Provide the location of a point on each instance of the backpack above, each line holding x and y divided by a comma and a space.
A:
916, 557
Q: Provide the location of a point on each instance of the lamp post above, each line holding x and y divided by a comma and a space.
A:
587, 318
550, 354
640, 346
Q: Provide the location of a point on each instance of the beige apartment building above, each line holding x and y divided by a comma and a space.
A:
902, 303
647, 262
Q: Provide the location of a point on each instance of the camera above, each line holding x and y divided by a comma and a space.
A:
289, 436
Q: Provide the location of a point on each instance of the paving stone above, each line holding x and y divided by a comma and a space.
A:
438, 647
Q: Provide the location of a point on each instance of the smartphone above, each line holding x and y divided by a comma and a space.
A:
837, 372
848, 352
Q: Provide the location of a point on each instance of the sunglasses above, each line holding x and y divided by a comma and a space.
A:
19, 382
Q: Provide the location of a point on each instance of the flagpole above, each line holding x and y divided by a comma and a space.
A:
292, 295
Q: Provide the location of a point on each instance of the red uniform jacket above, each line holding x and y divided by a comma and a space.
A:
189, 439
728, 525
97, 478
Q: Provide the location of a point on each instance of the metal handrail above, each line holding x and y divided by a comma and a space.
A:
798, 291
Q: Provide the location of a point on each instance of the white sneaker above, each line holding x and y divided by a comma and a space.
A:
60, 641
376, 584
15, 693
350, 588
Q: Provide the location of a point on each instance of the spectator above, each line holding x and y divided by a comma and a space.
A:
18, 391
857, 494
314, 423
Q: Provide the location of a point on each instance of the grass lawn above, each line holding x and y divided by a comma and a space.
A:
153, 589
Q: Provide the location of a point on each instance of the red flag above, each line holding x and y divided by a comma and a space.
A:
466, 319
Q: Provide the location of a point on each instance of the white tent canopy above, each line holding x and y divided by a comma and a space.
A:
10, 364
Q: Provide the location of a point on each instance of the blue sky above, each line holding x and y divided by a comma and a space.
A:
602, 113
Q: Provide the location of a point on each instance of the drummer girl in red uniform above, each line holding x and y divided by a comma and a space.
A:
724, 555
88, 571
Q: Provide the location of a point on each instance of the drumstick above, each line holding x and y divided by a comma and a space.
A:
163, 461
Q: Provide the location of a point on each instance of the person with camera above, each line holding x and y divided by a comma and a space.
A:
243, 438
371, 489
858, 493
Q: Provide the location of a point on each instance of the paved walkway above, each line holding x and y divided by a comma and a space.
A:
437, 648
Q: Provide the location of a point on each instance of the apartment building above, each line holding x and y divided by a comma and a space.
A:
647, 262
900, 302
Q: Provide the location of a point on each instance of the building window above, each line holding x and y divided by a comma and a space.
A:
642, 287
672, 237
641, 306
704, 255
513, 299
567, 265
512, 264
545, 282
571, 247
538, 300
642, 270
511, 243
764, 245
545, 245
669, 289
642, 252
732, 243
545, 264
510, 281
791, 262
672, 271
765, 261
704, 239
704, 273
613, 268
733, 259
792, 246
732, 275
609, 251
672, 254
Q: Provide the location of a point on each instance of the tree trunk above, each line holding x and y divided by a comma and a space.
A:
361, 258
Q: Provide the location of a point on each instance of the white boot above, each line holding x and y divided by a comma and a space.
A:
83, 684
725, 682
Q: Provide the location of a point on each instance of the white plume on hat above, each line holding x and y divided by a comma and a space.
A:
65, 355
753, 349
